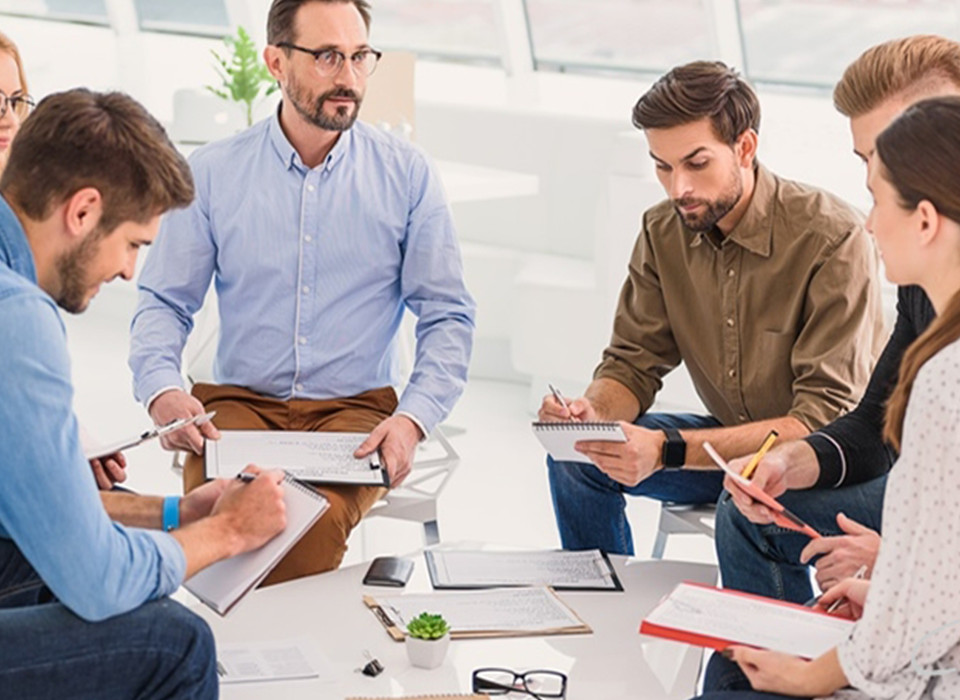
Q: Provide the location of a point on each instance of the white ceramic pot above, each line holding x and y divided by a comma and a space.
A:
427, 653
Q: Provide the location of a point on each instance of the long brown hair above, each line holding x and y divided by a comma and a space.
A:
901, 67
920, 157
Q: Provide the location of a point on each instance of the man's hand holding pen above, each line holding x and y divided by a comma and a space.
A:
553, 410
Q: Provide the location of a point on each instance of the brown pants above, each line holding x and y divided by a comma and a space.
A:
324, 545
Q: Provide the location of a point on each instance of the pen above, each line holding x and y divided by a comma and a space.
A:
246, 477
559, 397
861, 572
752, 464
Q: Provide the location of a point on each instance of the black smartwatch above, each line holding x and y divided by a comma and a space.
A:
674, 449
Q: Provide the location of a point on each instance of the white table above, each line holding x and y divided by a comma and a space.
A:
614, 662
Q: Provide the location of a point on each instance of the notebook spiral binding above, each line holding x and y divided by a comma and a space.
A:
576, 426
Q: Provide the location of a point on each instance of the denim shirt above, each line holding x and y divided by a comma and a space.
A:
313, 270
49, 503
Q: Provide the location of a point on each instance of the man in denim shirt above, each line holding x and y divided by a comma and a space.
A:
83, 576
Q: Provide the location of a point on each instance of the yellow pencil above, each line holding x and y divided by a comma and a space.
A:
752, 464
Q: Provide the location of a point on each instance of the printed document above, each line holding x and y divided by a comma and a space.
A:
271, 661
313, 457
584, 570
717, 618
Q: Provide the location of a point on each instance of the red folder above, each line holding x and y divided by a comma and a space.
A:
703, 640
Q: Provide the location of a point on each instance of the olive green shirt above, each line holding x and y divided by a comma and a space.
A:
782, 317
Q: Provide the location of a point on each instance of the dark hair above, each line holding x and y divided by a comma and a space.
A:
920, 157
700, 90
108, 141
280, 19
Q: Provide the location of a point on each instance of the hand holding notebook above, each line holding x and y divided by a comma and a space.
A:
781, 515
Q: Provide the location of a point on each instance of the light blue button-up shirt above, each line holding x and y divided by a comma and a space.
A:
313, 269
49, 504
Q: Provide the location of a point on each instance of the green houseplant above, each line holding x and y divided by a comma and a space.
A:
242, 73
428, 637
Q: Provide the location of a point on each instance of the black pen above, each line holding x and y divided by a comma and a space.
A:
246, 477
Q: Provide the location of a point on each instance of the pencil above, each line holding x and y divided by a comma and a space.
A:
752, 464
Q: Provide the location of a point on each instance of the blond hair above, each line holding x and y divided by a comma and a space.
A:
7, 46
898, 68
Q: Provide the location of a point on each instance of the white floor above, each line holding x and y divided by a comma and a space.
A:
499, 494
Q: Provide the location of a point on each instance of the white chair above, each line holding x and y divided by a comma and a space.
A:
678, 519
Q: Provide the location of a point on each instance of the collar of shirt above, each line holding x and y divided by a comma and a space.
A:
754, 231
15, 251
288, 154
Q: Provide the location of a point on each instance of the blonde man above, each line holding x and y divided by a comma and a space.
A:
845, 463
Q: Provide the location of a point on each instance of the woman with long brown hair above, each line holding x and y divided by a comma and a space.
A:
15, 102
906, 643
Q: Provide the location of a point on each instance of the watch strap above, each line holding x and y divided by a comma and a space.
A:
674, 449
171, 513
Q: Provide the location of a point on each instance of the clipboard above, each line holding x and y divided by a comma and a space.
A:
609, 574
782, 516
155, 432
382, 611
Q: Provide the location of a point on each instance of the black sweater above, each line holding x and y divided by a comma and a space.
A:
851, 449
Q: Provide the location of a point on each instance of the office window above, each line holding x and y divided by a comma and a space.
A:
615, 35
810, 42
183, 16
94, 11
455, 29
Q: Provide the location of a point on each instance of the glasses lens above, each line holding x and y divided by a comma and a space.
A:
369, 63
545, 684
493, 681
22, 106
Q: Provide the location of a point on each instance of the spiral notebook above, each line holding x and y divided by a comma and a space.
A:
559, 438
224, 584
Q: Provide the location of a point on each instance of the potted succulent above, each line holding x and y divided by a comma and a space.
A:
428, 637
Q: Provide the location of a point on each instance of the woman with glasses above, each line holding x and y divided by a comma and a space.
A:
906, 643
15, 103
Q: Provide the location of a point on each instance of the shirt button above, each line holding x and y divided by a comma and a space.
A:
306, 289
730, 273
742, 416
303, 341
299, 387
732, 373
308, 238
310, 188
730, 322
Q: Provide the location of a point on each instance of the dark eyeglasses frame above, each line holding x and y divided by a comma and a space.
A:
21, 105
481, 685
341, 58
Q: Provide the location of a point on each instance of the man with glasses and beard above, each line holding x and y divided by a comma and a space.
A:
318, 231
765, 288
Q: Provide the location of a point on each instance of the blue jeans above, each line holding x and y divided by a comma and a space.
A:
725, 681
160, 650
590, 506
765, 559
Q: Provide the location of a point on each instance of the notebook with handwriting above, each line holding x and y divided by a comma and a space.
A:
559, 438
224, 584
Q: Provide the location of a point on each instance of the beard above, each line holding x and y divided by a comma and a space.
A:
311, 108
714, 210
72, 269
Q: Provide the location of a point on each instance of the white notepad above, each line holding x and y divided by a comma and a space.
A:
317, 457
716, 618
224, 584
559, 438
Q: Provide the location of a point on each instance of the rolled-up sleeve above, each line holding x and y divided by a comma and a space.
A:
842, 332
49, 504
642, 350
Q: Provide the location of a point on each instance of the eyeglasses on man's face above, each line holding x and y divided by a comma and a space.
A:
329, 62
539, 684
20, 104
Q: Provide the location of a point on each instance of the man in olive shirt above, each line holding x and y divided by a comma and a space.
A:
766, 289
